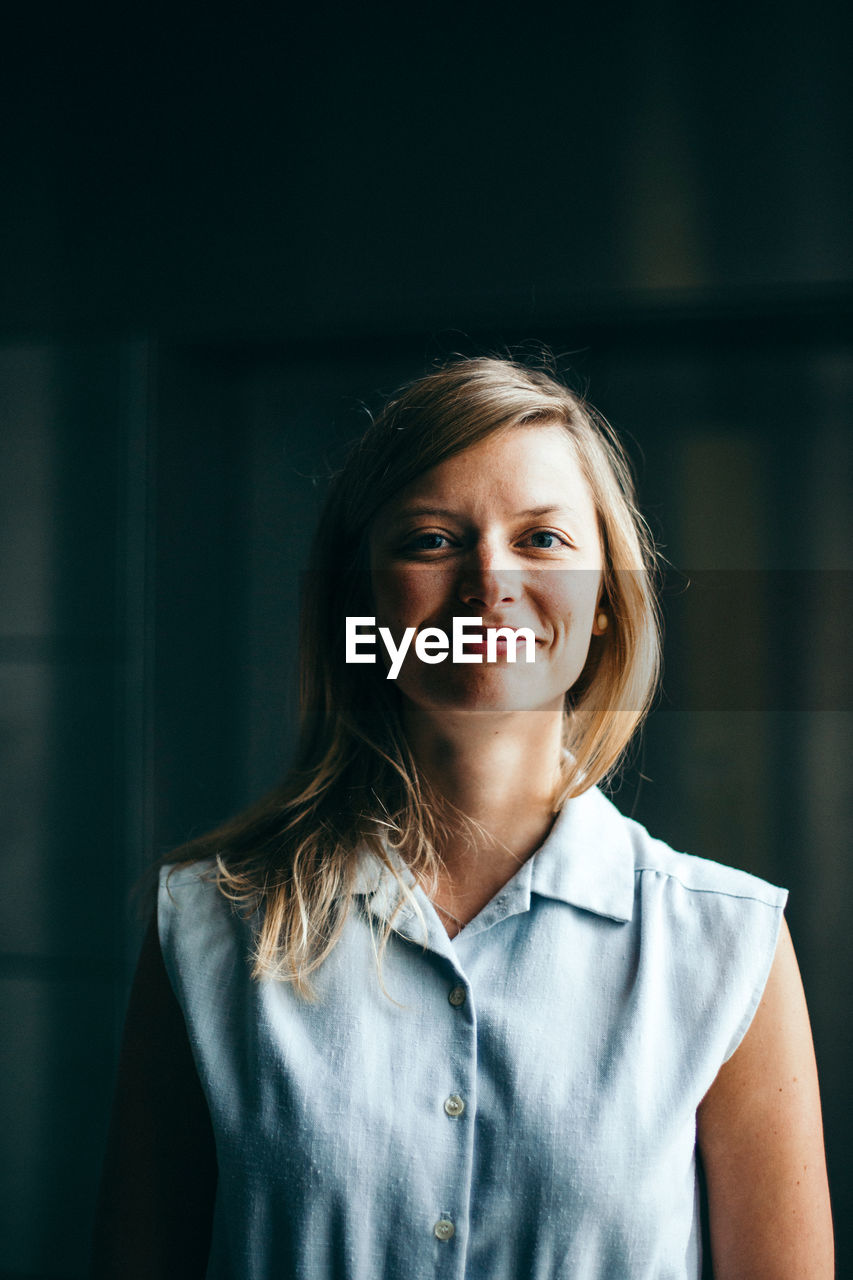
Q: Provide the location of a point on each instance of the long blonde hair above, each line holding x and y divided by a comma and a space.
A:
354, 785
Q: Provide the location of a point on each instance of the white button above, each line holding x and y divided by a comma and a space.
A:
454, 1106
457, 996
444, 1228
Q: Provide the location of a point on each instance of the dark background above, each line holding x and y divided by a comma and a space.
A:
221, 234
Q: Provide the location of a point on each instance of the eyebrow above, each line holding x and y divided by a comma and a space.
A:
424, 509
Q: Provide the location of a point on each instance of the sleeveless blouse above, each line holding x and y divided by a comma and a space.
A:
523, 1107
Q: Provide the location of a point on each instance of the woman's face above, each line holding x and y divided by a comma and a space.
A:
506, 532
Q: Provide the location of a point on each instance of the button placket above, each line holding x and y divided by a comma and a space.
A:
451, 1224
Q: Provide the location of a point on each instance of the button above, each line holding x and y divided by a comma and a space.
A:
457, 996
454, 1106
444, 1228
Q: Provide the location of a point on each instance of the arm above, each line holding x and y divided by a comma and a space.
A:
159, 1178
761, 1141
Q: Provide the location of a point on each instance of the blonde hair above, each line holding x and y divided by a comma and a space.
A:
354, 785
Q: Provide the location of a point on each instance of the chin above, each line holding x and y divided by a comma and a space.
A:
491, 693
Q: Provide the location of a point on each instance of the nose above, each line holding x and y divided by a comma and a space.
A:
485, 583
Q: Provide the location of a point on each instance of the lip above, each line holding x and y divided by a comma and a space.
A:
475, 642
475, 645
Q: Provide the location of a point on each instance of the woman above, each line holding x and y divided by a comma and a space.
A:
435, 1006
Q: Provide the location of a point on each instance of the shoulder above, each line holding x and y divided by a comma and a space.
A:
695, 874
643, 855
710, 931
188, 894
202, 932
186, 888
182, 876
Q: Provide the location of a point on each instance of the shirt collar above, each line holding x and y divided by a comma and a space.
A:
586, 860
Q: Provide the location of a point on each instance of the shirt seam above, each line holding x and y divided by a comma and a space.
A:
724, 893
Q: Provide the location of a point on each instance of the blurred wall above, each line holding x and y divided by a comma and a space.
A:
354, 171
220, 237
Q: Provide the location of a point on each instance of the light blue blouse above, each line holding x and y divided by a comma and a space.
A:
526, 1111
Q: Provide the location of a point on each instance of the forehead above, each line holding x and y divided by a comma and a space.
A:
523, 467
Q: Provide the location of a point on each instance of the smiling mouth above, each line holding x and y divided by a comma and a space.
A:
476, 642
471, 635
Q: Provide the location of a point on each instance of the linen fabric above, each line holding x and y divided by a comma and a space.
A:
522, 1108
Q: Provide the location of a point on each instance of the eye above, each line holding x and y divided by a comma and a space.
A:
426, 542
546, 540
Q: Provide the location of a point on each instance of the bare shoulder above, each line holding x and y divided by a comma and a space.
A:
761, 1139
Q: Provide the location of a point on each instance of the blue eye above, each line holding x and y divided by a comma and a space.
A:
426, 542
552, 540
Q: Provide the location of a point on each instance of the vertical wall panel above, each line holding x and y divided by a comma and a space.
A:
63, 874
823, 778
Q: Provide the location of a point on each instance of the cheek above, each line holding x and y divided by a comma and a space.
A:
405, 597
574, 601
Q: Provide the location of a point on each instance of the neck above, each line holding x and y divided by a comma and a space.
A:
501, 771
